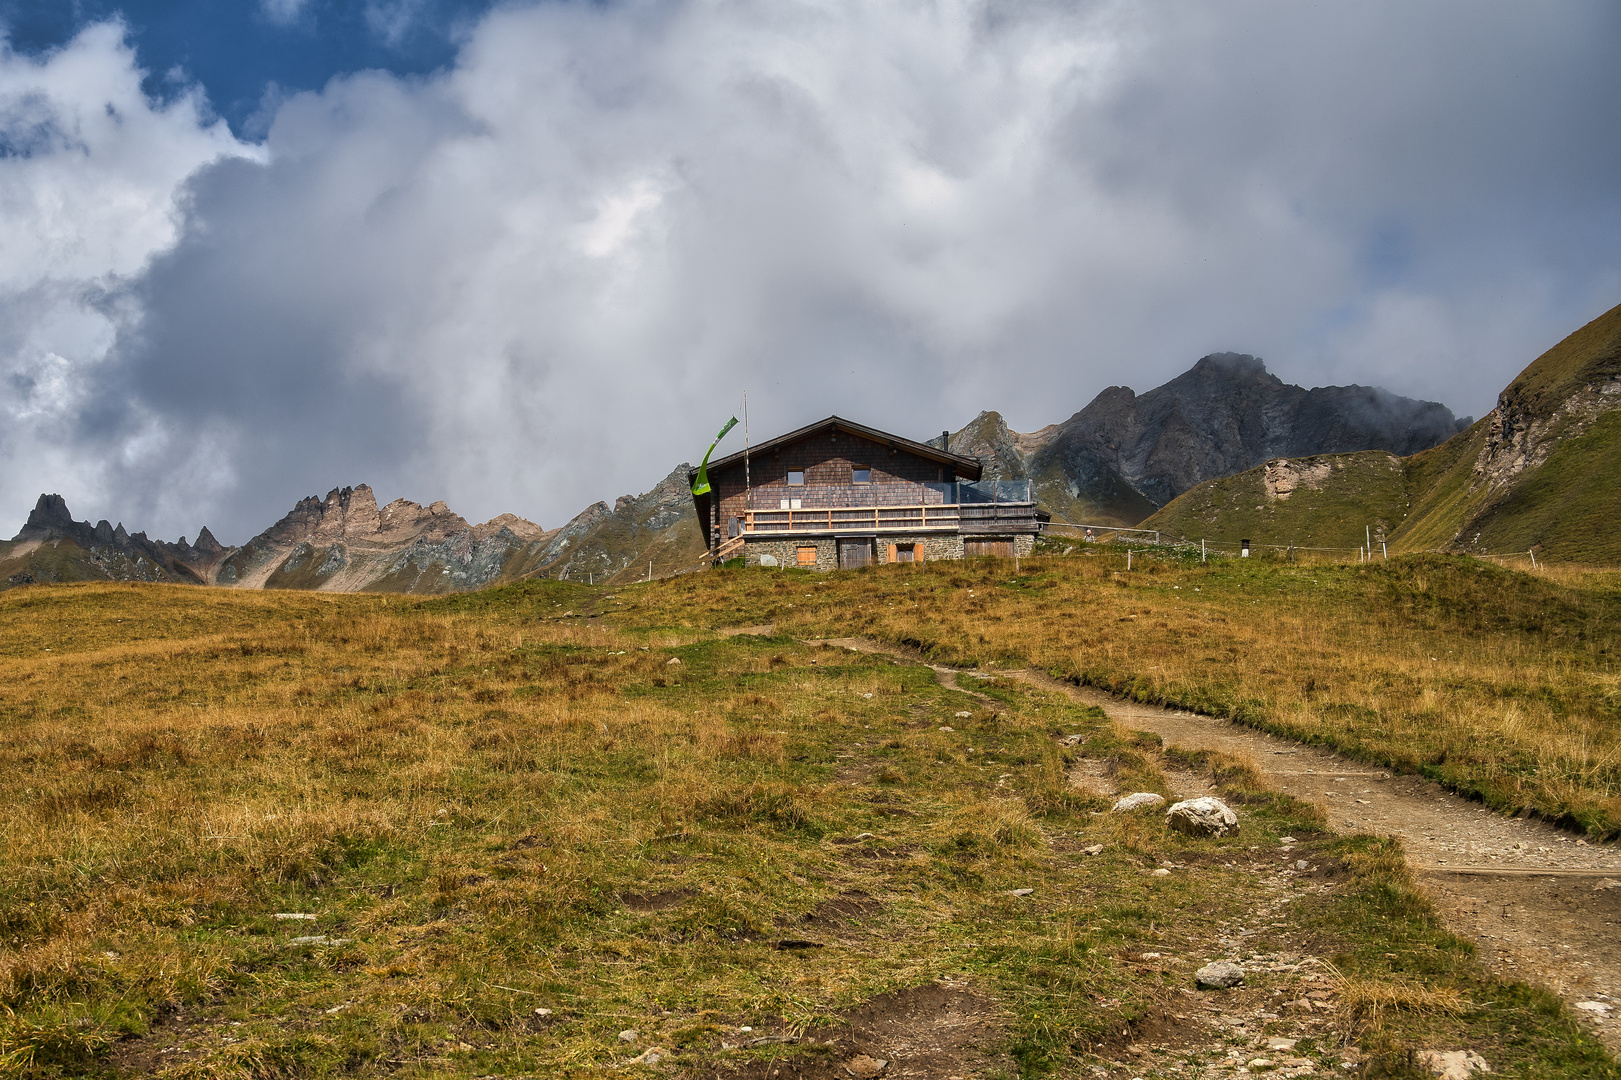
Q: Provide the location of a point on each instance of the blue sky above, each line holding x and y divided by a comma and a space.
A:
238, 49
521, 257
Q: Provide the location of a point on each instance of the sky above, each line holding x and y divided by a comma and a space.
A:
525, 256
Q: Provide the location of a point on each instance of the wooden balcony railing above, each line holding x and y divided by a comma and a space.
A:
936, 517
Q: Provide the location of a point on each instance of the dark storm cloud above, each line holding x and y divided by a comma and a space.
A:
545, 275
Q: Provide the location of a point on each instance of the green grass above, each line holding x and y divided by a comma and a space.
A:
1357, 492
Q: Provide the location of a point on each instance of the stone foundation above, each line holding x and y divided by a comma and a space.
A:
929, 547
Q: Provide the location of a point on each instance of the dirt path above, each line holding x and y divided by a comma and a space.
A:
1540, 904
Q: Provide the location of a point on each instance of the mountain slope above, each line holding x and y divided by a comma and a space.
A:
1328, 500
1126, 454
1539, 472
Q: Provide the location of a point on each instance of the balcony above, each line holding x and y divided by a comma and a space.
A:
916, 518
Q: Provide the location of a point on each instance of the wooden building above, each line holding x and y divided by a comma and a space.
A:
837, 494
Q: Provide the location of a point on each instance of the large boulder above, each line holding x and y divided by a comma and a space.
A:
1136, 801
1221, 975
1204, 816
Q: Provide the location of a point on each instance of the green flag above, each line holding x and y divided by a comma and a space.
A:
700, 486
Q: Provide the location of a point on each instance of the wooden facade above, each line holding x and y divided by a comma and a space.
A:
837, 494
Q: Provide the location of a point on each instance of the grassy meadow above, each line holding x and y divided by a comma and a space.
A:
1499, 683
516, 823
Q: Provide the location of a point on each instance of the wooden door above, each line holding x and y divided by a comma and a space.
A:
854, 552
1000, 548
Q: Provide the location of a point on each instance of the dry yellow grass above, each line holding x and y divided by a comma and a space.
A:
490, 804
1501, 684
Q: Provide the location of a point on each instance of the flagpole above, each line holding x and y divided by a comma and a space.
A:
748, 485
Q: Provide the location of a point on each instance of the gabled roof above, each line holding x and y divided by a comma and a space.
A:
966, 467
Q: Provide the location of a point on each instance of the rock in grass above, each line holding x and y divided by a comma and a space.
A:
1453, 1064
629, 1035
1221, 975
1136, 801
1204, 816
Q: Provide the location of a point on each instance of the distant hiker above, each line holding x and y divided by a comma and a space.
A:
1090, 539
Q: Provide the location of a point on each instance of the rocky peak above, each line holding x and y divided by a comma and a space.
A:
1232, 367
49, 519
522, 528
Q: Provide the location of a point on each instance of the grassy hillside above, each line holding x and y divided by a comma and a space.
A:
513, 824
1332, 501
1539, 473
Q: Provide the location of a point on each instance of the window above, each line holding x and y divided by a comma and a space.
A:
807, 556
796, 477
860, 474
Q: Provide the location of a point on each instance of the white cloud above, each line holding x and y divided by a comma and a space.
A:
283, 12
542, 276
90, 191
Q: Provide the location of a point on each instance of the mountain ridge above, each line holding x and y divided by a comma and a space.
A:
1115, 461
1537, 473
1125, 455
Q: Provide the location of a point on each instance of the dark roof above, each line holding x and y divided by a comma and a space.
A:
966, 467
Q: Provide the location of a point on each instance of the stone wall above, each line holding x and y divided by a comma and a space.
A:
929, 546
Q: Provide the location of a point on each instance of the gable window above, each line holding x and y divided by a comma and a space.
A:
860, 474
796, 477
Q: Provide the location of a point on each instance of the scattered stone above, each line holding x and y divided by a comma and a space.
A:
964, 715
1023, 892
1286, 839
1136, 801
768, 560
1296, 1063
1260, 1063
1095, 849
1161, 872
1204, 816
1453, 1064
1071, 740
1300, 864
293, 915
1599, 1007
543, 1013
1221, 975
674, 661
1607, 883
629, 1035
864, 836
1280, 1043
651, 1056
948, 729
863, 1067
